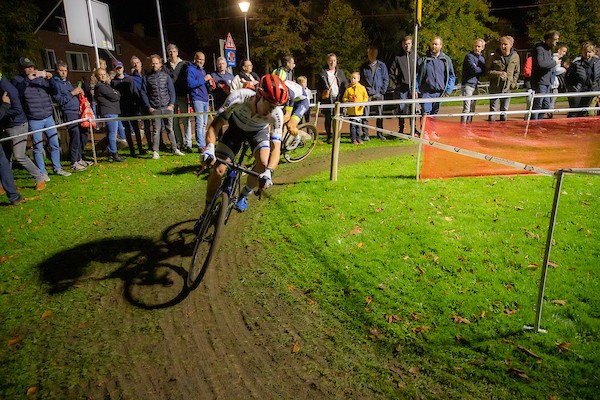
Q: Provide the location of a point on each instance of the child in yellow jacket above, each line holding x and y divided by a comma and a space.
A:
355, 93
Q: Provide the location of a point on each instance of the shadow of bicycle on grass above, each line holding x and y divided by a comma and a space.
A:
152, 271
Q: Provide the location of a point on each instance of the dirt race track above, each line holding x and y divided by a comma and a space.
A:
219, 346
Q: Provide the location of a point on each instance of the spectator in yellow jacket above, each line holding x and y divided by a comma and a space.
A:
356, 93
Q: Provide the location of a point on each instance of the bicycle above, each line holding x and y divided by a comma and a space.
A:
297, 148
212, 222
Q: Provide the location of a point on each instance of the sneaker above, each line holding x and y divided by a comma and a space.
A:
19, 201
86, 163
155, 155
355, 142
46, 178
77, 167
178, 152
242, 204
41, 185
62, 172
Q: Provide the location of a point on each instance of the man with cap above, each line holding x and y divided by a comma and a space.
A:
35, 90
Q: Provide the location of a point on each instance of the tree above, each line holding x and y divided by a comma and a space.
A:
280, 31
578, 21
458, 23
339, 30
16, 34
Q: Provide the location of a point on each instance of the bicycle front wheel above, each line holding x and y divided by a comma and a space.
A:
299, 147
207, 240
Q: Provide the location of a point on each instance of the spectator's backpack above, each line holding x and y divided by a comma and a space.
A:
528, 67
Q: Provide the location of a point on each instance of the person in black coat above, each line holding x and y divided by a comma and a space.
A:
108, 105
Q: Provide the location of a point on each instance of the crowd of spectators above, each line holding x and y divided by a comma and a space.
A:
179, 86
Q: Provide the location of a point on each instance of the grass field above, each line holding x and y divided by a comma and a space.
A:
412, 289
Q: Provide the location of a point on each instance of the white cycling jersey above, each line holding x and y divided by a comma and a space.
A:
297, 89
238, 106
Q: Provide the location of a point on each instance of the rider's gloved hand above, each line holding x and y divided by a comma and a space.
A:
266, 178
208, 155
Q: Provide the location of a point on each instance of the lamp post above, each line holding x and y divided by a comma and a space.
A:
244, 7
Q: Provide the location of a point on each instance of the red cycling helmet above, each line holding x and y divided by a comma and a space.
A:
272, 89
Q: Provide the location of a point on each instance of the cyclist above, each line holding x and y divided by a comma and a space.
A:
297, 105
249, 114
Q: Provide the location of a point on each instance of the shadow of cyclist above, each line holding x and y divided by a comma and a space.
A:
151, 270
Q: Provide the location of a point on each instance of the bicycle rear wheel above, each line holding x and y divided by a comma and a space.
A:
207, 240
298, 148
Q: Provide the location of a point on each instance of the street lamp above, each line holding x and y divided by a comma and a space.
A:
245, 6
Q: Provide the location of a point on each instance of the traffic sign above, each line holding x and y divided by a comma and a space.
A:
230, 57
229, 42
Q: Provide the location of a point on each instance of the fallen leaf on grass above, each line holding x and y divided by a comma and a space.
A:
14, 341
517, 373
356, 231
459, 338
563, 347
457, 319
421, 329
397, 371
375, 334
508, 311
533, 266
482, 315
359, 245
528, 352
532, 235
406, 258
296, 347
46, 314
448, 218
552, 264
4, 259
369, 299
310, 302
32, 390
378, 209
559, 302
297, 225
392, 318
414, 370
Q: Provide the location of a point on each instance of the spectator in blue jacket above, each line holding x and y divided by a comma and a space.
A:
130, 103
35, 90
435, 76
137, 74
15, 123
67, 98
158, 94
198, 90
541, 73
473, 68
375, 78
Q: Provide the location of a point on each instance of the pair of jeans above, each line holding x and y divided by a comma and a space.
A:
168, 123
468, 105
19, 147
113, 127
430, 108
403, 109
7, 178
504, 104
541, 103
77, 135
181, 105
378, 121
201, 120
38, 143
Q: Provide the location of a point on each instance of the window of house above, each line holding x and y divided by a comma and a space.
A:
61, 25
78, 61
48, 59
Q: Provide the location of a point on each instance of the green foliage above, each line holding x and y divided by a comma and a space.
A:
16, 34
211, 21
280, 31
339, 30
576, 20
458, 23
